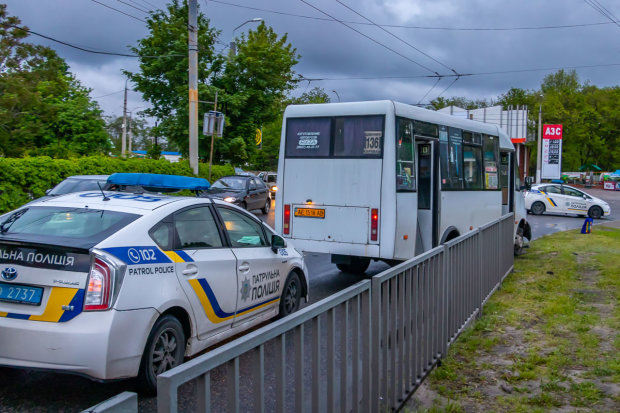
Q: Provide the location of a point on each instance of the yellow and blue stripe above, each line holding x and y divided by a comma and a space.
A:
59, 297
212, 308
551, 201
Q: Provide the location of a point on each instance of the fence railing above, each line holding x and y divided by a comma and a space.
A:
364, 349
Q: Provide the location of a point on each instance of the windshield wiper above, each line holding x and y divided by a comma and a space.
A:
4, 227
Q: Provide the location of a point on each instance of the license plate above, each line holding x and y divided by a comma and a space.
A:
310, 212
21, 294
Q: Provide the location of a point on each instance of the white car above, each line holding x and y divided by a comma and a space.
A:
564, 199
116, 285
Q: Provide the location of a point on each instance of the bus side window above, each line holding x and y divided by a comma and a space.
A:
491, 146
443, 157
405, 171
455, 158
472, 162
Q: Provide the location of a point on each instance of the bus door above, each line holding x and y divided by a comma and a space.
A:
505, 172
427, 195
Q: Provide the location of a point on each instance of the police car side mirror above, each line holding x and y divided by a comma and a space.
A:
47, 191
277, 242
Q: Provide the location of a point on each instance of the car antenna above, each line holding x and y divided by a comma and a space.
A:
105, 198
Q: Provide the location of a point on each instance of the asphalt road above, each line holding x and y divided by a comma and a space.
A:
40, 391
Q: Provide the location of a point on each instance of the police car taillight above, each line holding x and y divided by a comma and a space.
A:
98, 291
286, 229
374, 224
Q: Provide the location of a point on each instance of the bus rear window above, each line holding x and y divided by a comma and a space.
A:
308, 137
359, 137
339, 137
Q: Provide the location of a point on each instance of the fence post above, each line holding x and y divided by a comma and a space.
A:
446, 303
375, 347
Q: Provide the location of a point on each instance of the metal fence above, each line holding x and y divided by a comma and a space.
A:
364, 349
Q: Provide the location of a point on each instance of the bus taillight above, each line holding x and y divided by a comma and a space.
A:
374, 224
287, 220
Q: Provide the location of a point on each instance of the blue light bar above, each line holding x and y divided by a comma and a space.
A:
159, 181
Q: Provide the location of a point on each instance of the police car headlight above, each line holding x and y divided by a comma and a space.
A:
230, 199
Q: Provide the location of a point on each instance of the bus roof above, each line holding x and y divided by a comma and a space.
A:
398, 109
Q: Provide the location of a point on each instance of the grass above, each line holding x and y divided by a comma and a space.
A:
548, 339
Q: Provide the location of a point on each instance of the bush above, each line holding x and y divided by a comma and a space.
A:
23, 179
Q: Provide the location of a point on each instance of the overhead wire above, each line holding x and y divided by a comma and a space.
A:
429, 90
119, 11
83, 48
134, 7
396, 37
567, 26
602, 10
370, 38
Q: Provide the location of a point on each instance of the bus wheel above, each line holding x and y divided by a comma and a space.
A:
519, 241
358, 265
595, 212
538, 208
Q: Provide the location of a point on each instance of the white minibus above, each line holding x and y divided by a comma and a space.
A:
383, 180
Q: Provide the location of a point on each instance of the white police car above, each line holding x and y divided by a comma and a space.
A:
126, 285
558, 198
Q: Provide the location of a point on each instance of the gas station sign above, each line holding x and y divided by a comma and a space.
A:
551, 152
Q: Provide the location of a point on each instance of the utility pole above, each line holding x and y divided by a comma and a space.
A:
124, 134
539, 150
213, 135
193, 84
130, 135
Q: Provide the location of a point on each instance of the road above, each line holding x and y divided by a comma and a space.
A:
39, 391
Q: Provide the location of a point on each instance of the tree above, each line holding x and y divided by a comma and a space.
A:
255, 82
43, 108
461, 102
141, 134
163, 76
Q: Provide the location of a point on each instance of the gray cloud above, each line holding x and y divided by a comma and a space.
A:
331, 50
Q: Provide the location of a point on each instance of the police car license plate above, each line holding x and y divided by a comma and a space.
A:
310, 212
21, 294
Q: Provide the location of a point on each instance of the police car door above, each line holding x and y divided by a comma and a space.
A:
261, 272
553, 198
575, 201
206, 269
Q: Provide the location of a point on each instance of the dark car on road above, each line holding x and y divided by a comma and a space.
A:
248, 192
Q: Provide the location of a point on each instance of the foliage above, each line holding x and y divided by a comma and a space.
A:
141, 136
255, 82
43, 108
461, 102
22, 179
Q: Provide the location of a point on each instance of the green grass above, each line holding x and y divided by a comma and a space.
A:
550, 335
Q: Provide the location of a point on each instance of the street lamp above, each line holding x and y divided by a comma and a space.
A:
539, 144
337, 95
233, 45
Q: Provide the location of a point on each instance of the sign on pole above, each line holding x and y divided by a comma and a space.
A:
551, 152
259, 138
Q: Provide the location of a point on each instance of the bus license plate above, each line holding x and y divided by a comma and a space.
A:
310, 212
20, 294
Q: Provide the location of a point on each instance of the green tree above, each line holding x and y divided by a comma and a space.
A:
43, 108
255, 82
461, 102
141, 133
163, 75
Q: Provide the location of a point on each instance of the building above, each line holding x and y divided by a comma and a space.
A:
513, 121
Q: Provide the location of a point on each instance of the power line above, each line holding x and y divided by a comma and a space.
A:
84, 49
458, 75
396, 37
567, 26
429, 91
601, 9
109, 94
132, 6
449, 86
119, 11
370, 38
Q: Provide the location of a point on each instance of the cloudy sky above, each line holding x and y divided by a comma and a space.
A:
363, 49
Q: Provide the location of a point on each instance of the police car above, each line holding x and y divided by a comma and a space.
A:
558, 198
113, 285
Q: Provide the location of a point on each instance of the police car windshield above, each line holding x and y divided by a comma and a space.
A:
79, 227
231, 183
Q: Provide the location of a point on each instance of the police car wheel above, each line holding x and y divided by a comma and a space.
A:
538, 208
595, 212
291, 296
165, 348
265, 209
